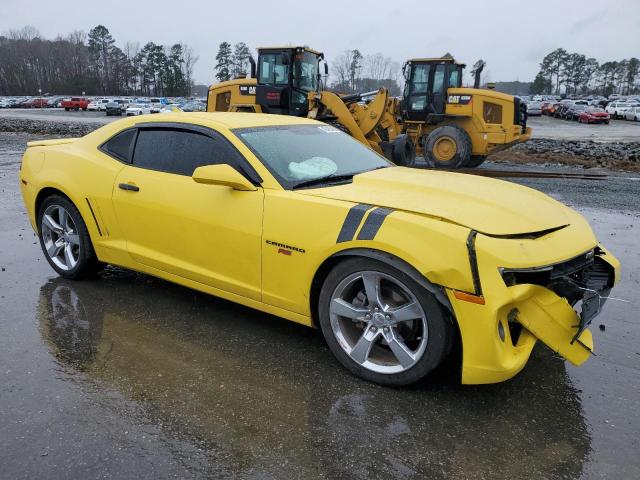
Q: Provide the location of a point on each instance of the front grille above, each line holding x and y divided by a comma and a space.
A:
569, 279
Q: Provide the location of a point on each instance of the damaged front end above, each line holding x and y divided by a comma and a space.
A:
582, 283
547, 288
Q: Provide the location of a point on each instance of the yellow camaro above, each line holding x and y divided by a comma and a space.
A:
292, 217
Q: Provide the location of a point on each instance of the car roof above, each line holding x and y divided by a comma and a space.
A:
232, 120
215, 120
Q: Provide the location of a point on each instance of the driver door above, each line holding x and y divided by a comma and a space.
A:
210, 234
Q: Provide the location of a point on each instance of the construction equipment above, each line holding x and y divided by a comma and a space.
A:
450, 126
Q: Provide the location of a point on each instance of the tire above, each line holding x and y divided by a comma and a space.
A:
65, 241
427, 336
606, 122
66, 109
403, 151
476, 161
447, 147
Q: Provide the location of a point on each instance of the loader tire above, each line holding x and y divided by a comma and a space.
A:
476, 161
403, 152
447, 147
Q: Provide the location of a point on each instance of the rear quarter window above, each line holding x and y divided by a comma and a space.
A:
120, 145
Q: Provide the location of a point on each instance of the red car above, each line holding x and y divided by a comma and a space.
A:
594, 115
75, 103
549, 108
38, 103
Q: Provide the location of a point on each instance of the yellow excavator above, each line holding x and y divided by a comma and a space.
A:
450, 126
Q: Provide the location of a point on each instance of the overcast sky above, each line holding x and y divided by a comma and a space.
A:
511, 36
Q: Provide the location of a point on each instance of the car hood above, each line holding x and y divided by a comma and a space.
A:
483, 204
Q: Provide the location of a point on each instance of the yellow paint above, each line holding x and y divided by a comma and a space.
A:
224, 241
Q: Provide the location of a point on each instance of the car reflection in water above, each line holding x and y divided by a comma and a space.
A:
267, 398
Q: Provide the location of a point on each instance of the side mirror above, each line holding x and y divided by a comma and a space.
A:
326, 69
222, 175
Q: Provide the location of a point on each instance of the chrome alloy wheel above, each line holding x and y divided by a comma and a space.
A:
378, 322
60, 237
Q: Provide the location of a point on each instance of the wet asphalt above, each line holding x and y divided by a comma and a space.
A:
127, 376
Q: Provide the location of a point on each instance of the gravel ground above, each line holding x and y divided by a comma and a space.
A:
127, 376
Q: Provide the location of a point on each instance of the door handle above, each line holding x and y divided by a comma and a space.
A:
128, 186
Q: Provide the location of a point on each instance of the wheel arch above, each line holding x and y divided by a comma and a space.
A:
46, 192
329, 263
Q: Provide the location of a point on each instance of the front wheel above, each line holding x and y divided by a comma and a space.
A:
447, 147
380, 324
403, 151
64, 238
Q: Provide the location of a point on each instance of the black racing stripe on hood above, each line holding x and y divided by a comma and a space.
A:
352, 222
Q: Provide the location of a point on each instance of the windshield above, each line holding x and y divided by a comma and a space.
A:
305, 71
297, 154
272, 70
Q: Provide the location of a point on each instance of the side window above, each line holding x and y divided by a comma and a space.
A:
119, 146
454, 76
176, 151
438, 79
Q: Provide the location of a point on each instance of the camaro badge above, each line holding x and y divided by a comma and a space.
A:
285, 249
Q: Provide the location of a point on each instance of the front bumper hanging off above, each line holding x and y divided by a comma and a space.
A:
554, 304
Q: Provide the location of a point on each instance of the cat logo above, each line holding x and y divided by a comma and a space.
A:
247, 89
459, 99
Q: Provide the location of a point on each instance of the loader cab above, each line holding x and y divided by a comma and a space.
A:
285, 76
426, 83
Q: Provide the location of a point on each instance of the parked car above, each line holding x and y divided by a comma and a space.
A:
94, 105
573, 111
37, 103
632, 114
549, 108
618, 109
397, 267
534, 109
594, 115
75, 103
53, 102
113, 108
138, 109
193, 107
561, 110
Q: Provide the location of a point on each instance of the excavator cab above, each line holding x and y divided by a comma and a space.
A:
285, 76
426, 83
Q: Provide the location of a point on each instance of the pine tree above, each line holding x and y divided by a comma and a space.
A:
100, 48
225, 62
241, 55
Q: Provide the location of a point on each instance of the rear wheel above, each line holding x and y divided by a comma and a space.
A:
64, 238
380, 324
403, 151
447, 147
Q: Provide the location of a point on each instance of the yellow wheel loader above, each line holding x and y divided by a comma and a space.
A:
450, 126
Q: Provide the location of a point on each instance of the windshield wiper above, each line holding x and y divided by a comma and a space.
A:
326, 179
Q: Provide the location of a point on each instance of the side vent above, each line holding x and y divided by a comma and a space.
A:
103, 232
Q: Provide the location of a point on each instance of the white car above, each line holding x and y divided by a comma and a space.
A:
102, 104
632, 113
534, 108
618, 109
138, 109
94, 105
